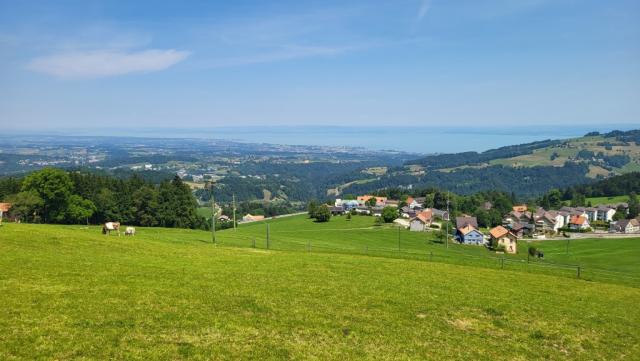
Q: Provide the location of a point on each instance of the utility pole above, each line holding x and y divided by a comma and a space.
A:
213, 216
449, 221
234, 212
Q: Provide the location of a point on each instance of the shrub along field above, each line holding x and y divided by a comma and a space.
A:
71, 292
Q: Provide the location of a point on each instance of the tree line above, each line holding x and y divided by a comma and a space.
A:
53, 195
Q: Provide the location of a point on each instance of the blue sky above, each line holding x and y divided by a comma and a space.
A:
67, 64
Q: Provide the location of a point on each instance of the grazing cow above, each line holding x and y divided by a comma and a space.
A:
130, 231
111, 226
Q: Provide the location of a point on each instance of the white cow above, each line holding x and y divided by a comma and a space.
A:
130, 231
111, 226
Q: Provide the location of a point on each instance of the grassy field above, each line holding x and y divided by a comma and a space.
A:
360, 236
204, 212
69, 292
607, 200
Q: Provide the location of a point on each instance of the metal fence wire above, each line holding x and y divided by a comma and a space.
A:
448, 256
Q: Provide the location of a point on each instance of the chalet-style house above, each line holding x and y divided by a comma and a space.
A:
421, 222
466, 220
467, 231
470, 235
407, 212
501, 236
442, 215
528, 223
414, 203
625, 226
579, 223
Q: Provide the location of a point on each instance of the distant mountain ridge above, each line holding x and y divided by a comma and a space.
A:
526, 170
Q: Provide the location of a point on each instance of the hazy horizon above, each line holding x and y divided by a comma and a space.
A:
399, 138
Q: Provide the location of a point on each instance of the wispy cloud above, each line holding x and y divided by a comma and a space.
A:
105, 63
282, 54
424, 9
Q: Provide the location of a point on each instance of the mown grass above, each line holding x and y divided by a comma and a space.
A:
608, 200
68, 292
603, 260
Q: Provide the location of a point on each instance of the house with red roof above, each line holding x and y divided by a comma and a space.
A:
421, 222
579, 223
500, 236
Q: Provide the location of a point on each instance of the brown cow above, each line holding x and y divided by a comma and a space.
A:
111, 226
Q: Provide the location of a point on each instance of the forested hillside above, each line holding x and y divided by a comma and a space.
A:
528, 170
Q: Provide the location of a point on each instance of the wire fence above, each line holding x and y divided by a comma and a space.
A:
429, 254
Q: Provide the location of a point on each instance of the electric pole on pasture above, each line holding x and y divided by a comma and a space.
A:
234, 211
213, 216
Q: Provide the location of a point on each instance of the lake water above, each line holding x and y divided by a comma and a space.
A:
408, 139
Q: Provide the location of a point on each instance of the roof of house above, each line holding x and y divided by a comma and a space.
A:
520, 208
578, 220
425, 216
367, 197
410, 200
498, 232
467, 229
463, 221
438, 212
624, 222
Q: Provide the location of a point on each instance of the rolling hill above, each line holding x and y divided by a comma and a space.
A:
527, 170
70, 292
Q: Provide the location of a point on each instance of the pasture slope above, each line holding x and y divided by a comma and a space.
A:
68, 292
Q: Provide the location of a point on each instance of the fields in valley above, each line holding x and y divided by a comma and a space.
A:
607, 200
70, 292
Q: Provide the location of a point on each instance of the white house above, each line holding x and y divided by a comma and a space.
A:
606, 213
625, 226
421, 222
579, 223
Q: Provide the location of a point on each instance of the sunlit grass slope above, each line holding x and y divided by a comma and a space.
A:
69, 292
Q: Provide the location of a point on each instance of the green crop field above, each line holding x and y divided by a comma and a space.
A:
70, 292
607, 200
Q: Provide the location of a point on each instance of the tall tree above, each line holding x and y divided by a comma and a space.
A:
79, 209
54, 187
26, 206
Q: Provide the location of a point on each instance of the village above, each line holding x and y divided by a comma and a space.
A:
520, 223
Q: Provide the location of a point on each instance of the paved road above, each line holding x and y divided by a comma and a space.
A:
603, 235
276, 217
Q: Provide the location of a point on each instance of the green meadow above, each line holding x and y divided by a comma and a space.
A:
69, 292
607, 200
